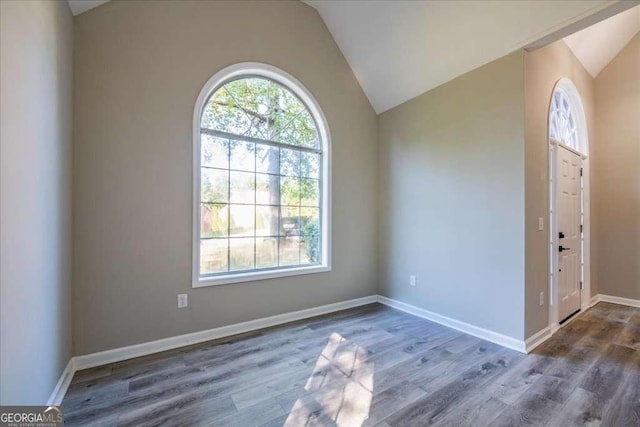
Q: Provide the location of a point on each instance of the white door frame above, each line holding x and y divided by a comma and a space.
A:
585, 295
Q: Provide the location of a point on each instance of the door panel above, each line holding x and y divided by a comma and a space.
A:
568, 225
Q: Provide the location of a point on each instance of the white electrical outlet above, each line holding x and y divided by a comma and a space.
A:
412, 280
541, 299
183, 300
540, 223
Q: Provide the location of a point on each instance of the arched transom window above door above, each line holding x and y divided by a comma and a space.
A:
562, 120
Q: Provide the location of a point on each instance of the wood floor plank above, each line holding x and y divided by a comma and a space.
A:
509, 387
440, 400
479, 412
583, 408
624, 410
254, 416
192, 411
604, 378
531, 409
374, 365
387, 402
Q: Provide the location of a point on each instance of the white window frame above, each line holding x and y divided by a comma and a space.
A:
254, 69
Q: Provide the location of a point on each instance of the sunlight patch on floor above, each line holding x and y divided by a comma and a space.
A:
340, 388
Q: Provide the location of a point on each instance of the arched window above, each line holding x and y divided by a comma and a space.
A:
563, 125
261, 178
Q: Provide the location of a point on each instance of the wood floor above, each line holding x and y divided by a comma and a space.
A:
375, 366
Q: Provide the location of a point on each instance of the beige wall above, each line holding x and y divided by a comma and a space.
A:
617, 174
452, 198
139, 68
36, 71
543, 68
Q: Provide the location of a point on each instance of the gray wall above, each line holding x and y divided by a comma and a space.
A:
617, 174
452, 198
139, 68
36, 71
543, 68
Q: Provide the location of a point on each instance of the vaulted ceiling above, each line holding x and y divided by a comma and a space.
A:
597, 45
401, 49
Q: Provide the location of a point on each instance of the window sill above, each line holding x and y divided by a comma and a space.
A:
258, 275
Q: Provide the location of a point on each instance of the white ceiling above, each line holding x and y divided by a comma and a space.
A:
401, 49
79, 6
597, 45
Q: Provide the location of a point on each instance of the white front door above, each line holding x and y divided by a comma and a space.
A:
568, 202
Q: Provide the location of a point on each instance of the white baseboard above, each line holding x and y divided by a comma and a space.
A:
63, 384
467, 328
123, 353
594, 300
619, 300
538, 338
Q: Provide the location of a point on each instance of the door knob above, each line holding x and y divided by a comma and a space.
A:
561, 248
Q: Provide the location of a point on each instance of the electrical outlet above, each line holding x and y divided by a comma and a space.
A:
183, 300
540, 223
412, 280
541, 299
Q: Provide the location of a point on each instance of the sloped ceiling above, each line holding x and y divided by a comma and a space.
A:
79, 6
401, 49
597, 45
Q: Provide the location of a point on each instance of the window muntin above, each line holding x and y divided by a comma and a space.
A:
261, 167
260, 108
562, 120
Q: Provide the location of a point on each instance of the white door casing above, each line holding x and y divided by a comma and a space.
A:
569, 210
569, 135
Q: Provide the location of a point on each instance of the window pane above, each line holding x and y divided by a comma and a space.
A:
309, 215
241, 253
214, 220
242, 221
310, 165
290, 191
243, 156
222, 113
290, 221
289, 162
214, 152
240, 107
309, 192
214, 185
300, 130
285, 107
266, 252
562, 124
242, 187
289, 251
267, 159
214, 256
310, 235
259, 203
267, 221
267, 189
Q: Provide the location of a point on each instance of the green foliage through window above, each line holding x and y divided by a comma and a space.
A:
260, 202
260, 108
